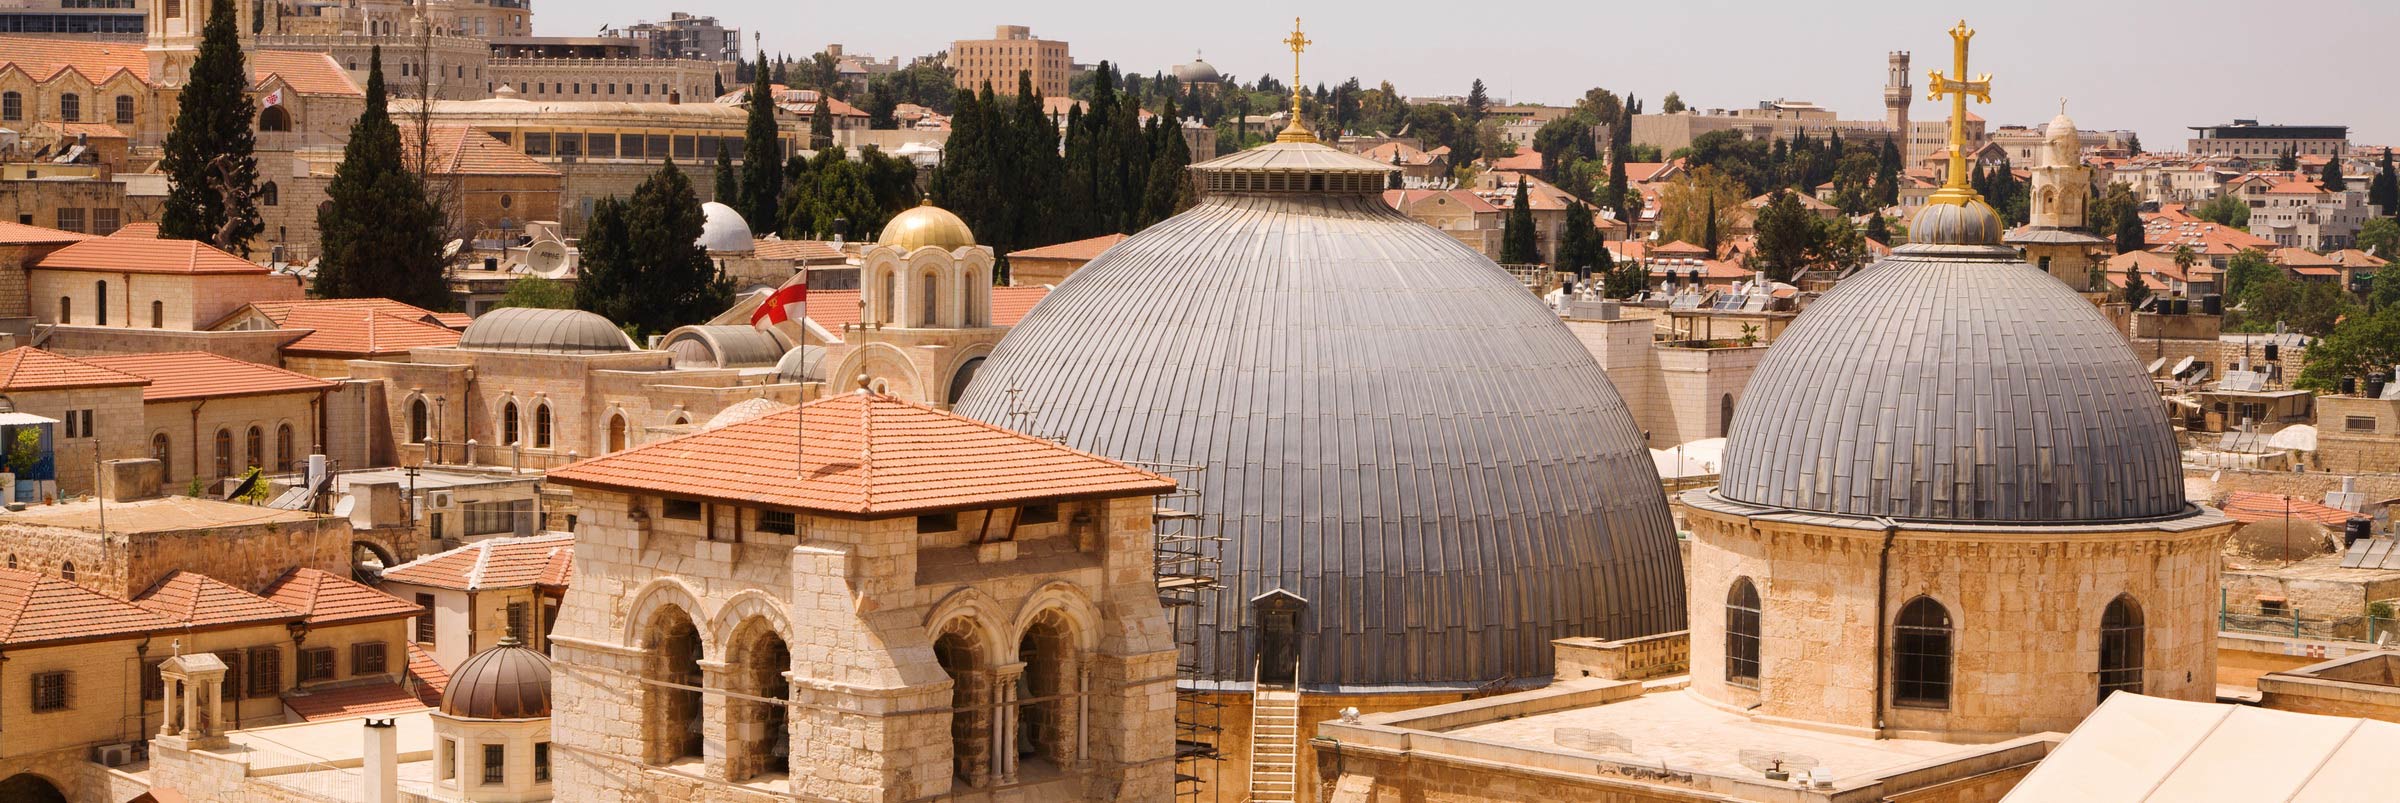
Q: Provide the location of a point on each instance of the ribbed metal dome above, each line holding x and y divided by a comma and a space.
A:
1391, 427
554, 331
1954, 383
507, 681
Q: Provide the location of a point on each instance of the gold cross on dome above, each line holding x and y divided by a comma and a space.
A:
1958, 89
1296, 132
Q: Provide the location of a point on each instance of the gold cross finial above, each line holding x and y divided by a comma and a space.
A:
1958, 89
1296, 132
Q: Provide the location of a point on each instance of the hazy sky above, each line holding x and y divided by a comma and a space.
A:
2154, 66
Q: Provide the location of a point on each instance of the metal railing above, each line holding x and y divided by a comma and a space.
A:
2375, 625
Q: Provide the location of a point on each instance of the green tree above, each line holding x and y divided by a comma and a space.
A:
2247, 270
1479, 102
1689, 205
2331, 177
379, 235
2225, 210
1517, 240
2287, 162
2386, 291
211, 168
1854, 183
1878, 230
2137, 290
535, 292
728, 190
2360, 347
820, 122
642, 263
2380, 236
1672, 104
2128, 231
1170, 184
762, 153
1786, 234
2384, 190
1580, 248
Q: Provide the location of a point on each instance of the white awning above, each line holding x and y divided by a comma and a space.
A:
22, 419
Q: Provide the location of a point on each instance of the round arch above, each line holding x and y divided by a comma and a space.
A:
745, 610
1063, 599
877, 361
974, 608
667, 592
26, 787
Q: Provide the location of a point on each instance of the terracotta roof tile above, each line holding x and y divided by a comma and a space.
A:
867, 455
328, 598
344, 702
2251, 507
137, 255
42, 58
145, 230
1679, 248
37, 608
454, 320
1085, 250
430, 676
2296, 258
362, 332
305, 73
834, 309
539, 560
275, 311
202, 375
12, 233
2354, 258
464, 150
1010, 304
1403, 199
28, 368
88, 130
798, 250
193, 599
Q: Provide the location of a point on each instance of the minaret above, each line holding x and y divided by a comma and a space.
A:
1896, 96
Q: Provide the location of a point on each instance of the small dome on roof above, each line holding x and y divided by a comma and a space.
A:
554, 331
723, 347
725, 230
1197, 72
927, 225
803, 364
744, 410
507, 681
1970, 223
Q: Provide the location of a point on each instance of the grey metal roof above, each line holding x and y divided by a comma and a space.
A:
801, 364
556, 331
2029, 235
723, 346
1296, 157
1943, 385
1392, 428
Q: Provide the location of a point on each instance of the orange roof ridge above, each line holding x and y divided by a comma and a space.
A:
193, 599
51, 370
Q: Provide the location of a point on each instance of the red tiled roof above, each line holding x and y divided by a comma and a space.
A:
1085, 250
867, 455
305, 73
834, 309
137, 255
1402, 199
2354, 258
2251, 507
192, 599
539, 560
1679, 248
37, 608
42, 58
454, 320
12, 233
344, 702
87, 130
143, 230
361, 331
431, 677
2297, 258
276, 311
1524, 161
28, 368
1010, 304
201, 375
463, 150
798, 250
328, 598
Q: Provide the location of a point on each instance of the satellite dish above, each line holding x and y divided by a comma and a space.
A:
2157, 364
451, 251
547, 259
2182, 366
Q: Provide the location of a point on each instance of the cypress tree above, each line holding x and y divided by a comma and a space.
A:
1170, 189
2288, 161
211, 170
1618, 188
2135, 290
1518, 246
1878, 230
728, 190
762, 153
820, 122
1708, 232
1040, 169
644, 267
2332, 177
2384, 191
380, 235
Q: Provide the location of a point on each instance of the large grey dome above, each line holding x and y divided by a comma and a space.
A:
1954, 382
1392, 428
554, 331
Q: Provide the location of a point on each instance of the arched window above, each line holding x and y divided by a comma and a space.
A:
224, 453
66, 309
283, 447
971, 299
12, 106
1921, 655
70, 107
761, 742
2121, 647
1741, 634
66, 570
616, 433
124, 109
508, 424
420, 420
541, 426
1725, 415
258, 447
1053, 659
269, 194
158, 449
671, 701
275, 118
930, 309
158, 315
100, 309
883, 298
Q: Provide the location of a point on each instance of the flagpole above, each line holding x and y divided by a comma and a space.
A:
799, 410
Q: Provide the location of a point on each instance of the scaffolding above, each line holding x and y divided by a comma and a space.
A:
1187, 563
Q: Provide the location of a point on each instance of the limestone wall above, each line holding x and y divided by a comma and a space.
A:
149, 300
2025, 608
262, 346
116, 418
2357, 435
249, 556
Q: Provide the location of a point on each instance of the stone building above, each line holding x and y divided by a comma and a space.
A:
1472, 488
492, 734
95, 413
207, 418
147, 283
2057, 239
1052, 264
934, 608
2357, 434
1011, 50
478, 595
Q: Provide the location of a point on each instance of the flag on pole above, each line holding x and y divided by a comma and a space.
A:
787, 303
272, 99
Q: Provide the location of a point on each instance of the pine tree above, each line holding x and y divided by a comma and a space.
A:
2288, 161
643, 266
1579, 246
2384, 191
820, 122
212, 172
2131, 235
380, 235
762, 153
2332, 176
1478, 102
1878, 230
728, 189
1518, 245
1672, 104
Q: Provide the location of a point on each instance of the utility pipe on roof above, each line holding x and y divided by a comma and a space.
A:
1883, 585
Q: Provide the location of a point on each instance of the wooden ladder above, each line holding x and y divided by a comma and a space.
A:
1274, 745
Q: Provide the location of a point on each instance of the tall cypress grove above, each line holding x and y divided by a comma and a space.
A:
210, 161
762, 154
380, 236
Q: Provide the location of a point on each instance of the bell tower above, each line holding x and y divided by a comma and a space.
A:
1896, 96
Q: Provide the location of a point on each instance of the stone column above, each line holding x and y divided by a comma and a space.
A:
191, 708
1004, 720
172, 707
714, 725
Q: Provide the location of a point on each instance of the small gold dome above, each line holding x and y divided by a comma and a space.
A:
927, 225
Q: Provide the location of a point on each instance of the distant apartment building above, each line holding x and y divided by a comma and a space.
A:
686, 36
1770, 120
74, 16
2249, 139
2294, 212
1011, 50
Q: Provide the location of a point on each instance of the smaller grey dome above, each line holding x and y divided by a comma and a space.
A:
1197, 72
504, 682
724, 229
1971, 223
554, 331
803, 364
723, 347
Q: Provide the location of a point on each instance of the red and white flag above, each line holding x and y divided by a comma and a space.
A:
272, 99
787, 303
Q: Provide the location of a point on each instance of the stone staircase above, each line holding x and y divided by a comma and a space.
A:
1274, 745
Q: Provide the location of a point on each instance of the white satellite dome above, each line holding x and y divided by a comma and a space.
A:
725, 230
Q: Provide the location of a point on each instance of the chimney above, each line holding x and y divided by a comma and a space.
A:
131, 480
382, 762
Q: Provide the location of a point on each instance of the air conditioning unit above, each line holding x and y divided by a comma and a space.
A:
440, 500
113, 755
